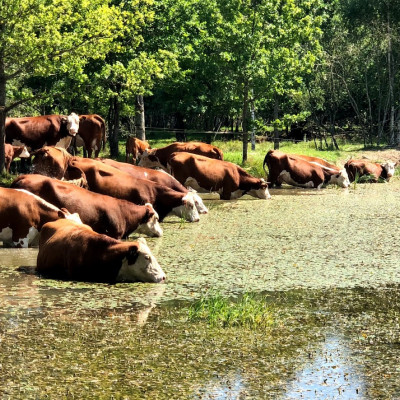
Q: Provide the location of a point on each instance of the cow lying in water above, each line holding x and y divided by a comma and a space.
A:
285, 168
158, 158
104, 179
371, 172
206, 174
68, 250
22, 215
104, 214
159, 176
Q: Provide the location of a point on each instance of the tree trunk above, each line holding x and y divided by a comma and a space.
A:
244, 121
3, 112
114, 127
253, 118
140, 126
276, 115
391, 80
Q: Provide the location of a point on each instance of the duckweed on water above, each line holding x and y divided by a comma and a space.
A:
324, 264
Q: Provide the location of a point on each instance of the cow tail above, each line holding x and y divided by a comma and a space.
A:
265, 162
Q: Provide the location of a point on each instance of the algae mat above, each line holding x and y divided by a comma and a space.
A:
327, 263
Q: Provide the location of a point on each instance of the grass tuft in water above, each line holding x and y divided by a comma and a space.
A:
249, 311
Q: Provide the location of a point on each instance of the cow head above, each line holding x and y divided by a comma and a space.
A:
262, 192
389, 167
187, 210
198, 201
341, 179
72, 122
148, 160
23, 152
140, 265
50, 161
150, 225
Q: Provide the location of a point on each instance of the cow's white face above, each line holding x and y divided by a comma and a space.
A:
145, 268
262, 192
198, 202
24, 153
341, 179
148, 160
73, 124
187, 210
390, 168
152, 227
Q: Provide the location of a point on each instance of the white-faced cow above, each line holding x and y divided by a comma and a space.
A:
105, 179
159, 176
104, 214
285, 168
134, 148
11, 152
369, 171
44, 130
91, 134
206, 174
22, 215
158, 158
74, 251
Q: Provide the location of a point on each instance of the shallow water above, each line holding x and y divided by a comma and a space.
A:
326, 262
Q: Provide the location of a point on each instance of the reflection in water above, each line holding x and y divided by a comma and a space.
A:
330, 375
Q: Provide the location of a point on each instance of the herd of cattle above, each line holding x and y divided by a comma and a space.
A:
84, 207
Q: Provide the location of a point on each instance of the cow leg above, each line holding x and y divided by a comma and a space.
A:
89, 152
273, 180
85, 152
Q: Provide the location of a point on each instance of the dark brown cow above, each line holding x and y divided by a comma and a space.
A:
45, 130
22, 215
159, 176
91, 134
158, 158
11, 152
72, 251
104, 214
205, 174
104, 179
134, 148
298, 172
369, 171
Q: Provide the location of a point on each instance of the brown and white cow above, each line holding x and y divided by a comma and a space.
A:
91, 134
68, 250
159, 176
105, 179
104, 214
134, 148
206, 174
298, 172
316, 160
158, 158
369, 171
11, 152
44, 130
22, 215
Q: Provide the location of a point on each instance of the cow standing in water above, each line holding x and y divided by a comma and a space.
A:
206, 174
158, 158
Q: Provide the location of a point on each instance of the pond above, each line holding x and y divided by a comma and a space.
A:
326, 262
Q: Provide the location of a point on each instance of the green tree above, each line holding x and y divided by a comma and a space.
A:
39, 39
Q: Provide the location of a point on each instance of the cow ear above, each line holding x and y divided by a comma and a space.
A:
82, 118
64, 119
63, 212
133, 254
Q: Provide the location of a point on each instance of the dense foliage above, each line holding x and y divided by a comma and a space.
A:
324, 67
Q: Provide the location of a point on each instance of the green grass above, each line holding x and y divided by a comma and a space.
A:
249, 311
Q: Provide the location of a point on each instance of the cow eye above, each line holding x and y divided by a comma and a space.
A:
147, 257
